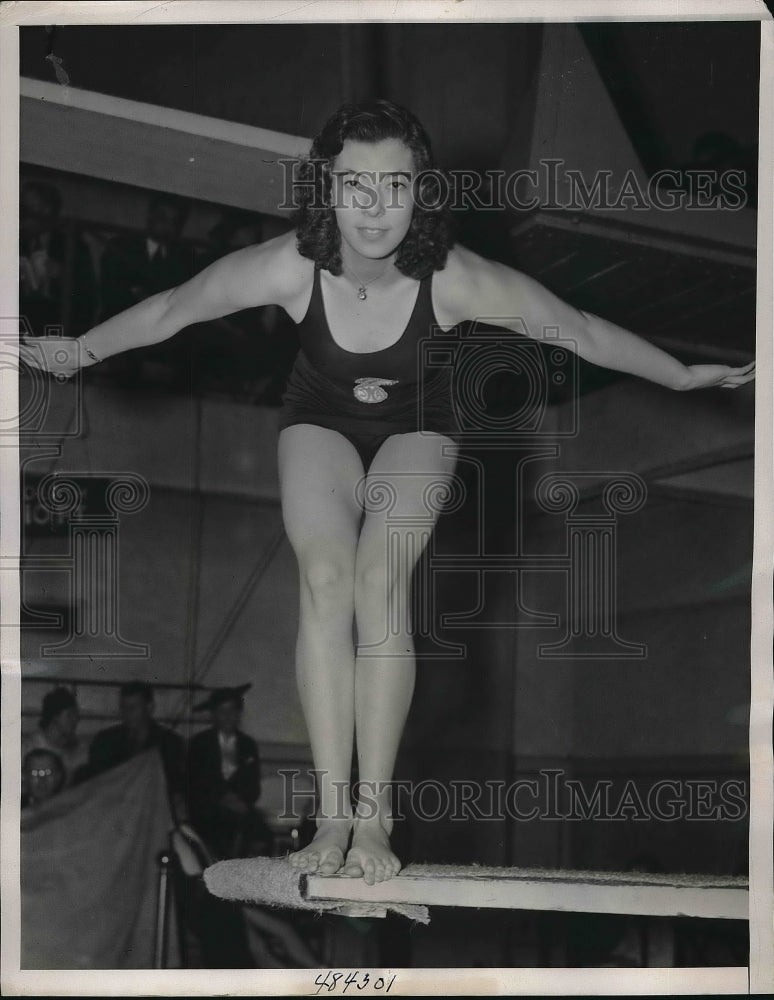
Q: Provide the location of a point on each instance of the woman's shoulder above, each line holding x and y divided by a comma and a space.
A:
465, 269
461, 281
269, 272
471, 270
471, 286
286, 265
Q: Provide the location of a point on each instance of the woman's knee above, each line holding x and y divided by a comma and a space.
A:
378, 580
374, 577
382, 600
328, 581
383, 567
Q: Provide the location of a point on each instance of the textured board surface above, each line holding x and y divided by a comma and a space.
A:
547, 889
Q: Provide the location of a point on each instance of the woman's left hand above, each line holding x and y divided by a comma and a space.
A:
706, 376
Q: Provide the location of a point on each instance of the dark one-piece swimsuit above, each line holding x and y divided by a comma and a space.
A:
368, 396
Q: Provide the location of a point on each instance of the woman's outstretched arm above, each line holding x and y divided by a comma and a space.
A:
497, 294
254, 276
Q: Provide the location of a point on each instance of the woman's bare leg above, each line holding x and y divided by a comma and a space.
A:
319, 471
391, 542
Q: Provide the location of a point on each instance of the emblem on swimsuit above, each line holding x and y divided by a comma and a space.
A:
369, 390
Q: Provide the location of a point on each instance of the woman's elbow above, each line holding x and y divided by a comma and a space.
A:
588, 337
174, 311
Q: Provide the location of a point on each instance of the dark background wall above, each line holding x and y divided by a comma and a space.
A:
467, 82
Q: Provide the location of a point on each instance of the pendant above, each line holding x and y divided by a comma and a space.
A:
361, 293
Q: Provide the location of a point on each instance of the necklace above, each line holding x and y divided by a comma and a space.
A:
361, 292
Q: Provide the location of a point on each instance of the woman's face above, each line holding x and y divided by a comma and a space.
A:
67, 722
372, 196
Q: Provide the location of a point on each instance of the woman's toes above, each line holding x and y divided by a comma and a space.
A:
305, 862
390, 869
331, 864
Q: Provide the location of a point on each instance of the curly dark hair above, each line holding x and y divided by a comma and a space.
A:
425, 246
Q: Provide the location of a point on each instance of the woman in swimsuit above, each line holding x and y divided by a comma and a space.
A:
367, 273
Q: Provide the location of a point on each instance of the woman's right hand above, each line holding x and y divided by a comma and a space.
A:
59, 356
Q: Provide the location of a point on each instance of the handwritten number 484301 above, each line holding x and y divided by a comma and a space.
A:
334, 981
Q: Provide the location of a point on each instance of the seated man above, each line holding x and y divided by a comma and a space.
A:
136, 732
224, 773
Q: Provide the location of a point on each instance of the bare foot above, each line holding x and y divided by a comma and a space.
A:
370, 856
325, 852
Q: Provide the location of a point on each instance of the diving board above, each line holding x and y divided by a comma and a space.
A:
639, 893
274, 882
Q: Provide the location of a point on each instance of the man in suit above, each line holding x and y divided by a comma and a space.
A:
137, 732
224, 773
136, 265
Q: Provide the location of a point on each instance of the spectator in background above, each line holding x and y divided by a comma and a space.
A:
715, 157
138, 732
224, 772
719, 152
51, 265
136, 265
57, 733
234, 231
43, 777
262, 338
